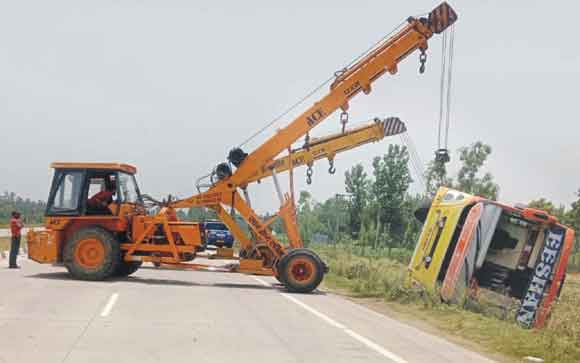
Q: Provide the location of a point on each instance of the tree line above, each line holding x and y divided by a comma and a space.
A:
378, 209
32, 211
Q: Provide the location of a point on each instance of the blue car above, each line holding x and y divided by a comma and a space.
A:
217, 234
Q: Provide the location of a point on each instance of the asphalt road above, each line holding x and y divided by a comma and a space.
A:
5, 232
183, 316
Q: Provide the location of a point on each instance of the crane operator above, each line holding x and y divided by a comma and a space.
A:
102, 199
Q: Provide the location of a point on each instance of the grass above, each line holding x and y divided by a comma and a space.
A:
574, 262
4, 243
385, 279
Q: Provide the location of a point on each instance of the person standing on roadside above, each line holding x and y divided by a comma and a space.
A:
15, 228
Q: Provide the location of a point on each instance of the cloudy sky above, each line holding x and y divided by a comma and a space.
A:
171, 86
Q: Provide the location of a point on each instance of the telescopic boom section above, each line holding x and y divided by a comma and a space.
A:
355, 79
329, 146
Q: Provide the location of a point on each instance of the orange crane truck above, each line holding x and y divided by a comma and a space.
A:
97, 225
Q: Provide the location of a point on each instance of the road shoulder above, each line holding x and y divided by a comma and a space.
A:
419, 318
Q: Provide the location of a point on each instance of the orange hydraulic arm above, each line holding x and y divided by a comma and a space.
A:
351, 82
348, 83
328, 146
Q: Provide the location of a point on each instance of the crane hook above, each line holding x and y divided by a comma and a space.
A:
422, 61
309, 173
331, 169
343, 120
442, 156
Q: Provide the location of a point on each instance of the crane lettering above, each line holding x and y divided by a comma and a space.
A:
352, 89
315, 117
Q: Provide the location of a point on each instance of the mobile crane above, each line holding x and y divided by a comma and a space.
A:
99, 238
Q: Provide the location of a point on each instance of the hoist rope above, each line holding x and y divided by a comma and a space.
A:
316, 89
442, 87
447, 45
449, 80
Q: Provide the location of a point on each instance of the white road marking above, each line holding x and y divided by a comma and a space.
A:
261, 281
107, 309
370, 344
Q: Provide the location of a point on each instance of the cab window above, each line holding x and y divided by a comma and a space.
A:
101, 192
216, 226
67, 193
128, 189
96, 185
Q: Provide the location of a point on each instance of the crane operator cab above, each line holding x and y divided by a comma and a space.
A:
100, 197
92, 189
97, 225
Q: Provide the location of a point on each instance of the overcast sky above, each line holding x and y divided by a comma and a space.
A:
171, 86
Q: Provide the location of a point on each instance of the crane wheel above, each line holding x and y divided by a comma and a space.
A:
301, 270
92, 253
126, 268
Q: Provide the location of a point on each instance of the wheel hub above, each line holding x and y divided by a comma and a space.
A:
302, 270
90, 253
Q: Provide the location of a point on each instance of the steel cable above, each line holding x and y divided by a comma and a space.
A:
316, 89
442, 87
449, 80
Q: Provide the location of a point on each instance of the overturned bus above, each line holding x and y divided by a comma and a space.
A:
470, 244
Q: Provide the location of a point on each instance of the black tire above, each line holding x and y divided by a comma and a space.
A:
127, 268
106, 267
301, 270
278, 277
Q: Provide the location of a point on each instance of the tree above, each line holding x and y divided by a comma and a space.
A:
32, 211
308, 218
357, 185
572, 218
412, 225
392, 180
436, 177
473, 157
332, 215
304, 201
200, 214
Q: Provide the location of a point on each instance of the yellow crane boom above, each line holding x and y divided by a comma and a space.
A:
328, 146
